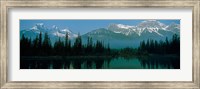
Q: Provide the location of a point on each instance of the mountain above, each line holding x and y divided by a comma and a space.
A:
117, 35
120, 35
54, 32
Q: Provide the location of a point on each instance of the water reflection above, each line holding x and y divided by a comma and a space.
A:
145, 62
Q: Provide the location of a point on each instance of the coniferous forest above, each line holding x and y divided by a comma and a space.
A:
41, 46
94, 54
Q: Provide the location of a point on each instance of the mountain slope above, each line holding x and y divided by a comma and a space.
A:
117, 35
54, 32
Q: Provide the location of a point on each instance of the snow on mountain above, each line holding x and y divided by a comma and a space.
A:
54, 27
151, 26
38, 27
120, 28
53, 32
121, 35
118, 35
125, 26
173, 27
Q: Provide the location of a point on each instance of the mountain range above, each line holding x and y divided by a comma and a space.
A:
117, 35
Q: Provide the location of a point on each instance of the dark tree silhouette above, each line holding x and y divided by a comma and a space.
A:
46, 46
66, 44
63, 47
161, 47
59, 47
35, 46
40, 44
78, 45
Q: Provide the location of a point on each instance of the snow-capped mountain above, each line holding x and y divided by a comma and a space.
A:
62, 32
123, 29
117, 35
127, 35
54, 32
151, 26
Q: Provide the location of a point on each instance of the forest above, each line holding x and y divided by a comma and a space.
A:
42, 46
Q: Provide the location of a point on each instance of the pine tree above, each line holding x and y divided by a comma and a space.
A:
108, 48
151, 46
40, 44
46, 45
167, 45
22, 47
59, 47
69, 47
156, 47
35, 46
66, 43
147, 46
78, 45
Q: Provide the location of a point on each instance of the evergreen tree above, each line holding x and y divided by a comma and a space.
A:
147, 46
40, 43
25, 46
78, 45
151, 46
108, 48
46, 46
35, 46
167, 45
143, 46
69, 47
88, 45
22, 47
59, 47
156, 47
66, 44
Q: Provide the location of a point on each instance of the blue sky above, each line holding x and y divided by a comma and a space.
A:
83, 26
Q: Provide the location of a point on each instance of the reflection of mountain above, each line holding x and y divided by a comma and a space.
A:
118, 35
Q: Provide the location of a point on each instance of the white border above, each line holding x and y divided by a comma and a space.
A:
183, 74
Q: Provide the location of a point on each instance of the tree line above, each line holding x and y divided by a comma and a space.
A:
171, 46
42, 46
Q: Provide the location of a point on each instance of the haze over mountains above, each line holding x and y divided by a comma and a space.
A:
117, 35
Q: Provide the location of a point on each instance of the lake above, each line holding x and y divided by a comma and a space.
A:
101, 62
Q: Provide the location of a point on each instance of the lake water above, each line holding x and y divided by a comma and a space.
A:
146, 62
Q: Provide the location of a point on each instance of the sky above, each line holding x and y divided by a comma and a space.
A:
83, 26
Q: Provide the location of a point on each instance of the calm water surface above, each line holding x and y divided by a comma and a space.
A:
147, 62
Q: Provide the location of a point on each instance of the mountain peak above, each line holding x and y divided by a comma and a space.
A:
38, 27
174, 24
174, 27
52, 31
40, 24
54, 27
66, 30
151, 24
121, 26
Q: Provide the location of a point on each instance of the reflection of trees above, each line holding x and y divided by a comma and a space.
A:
147, 62
64, 63
160, 61
98, 62
89, 64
